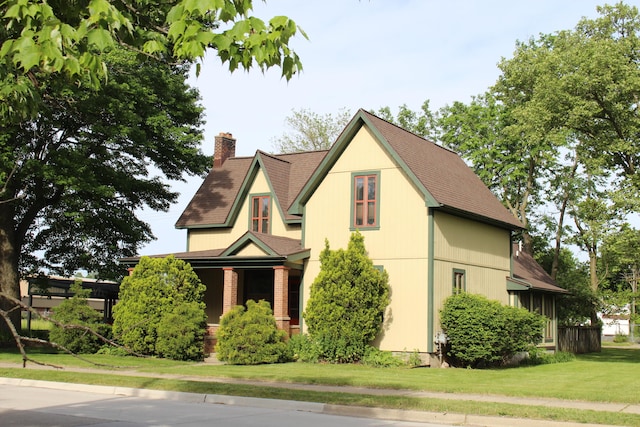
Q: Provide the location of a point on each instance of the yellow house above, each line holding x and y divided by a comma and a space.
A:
256, 226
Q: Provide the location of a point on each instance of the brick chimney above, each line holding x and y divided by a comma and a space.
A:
225, 147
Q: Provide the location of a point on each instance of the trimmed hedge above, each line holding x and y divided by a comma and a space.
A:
483, 332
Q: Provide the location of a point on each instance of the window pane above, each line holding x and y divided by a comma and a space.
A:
254, 225
371, 213
265, 226
359, 220
256, 207
359, 188
265, 207
371, 191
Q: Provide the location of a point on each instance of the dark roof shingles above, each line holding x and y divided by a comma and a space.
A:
444, 174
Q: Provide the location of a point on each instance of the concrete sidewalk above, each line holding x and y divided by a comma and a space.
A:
389, 414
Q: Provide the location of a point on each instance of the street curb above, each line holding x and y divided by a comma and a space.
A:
320, 408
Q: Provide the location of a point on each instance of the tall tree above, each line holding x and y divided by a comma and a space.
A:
75, 175
311, 131
582, 85
512, 165
69, 184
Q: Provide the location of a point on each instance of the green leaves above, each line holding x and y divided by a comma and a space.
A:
250, 336
160, 310
70, 39
348, 299
482, 332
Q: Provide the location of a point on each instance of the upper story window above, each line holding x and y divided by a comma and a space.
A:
366, 200
260, 213
459, 281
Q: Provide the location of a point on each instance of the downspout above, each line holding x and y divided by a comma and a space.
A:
430, 280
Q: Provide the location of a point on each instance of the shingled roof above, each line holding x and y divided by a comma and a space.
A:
445, 180
530, 275
216, 201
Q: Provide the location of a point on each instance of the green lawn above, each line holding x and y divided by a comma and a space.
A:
607, 376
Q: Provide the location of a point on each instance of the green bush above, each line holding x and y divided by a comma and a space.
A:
179, 339
250, 336
381, 359
539, 356
160, 311
346, 303
303, 349
482, 332
75, 311
620, 338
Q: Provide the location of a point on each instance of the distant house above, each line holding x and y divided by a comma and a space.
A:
256, 226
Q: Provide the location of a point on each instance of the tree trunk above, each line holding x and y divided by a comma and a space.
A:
9, 277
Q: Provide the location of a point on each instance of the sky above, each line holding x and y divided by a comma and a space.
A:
363, 54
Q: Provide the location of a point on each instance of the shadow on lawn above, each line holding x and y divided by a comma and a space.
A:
624, 355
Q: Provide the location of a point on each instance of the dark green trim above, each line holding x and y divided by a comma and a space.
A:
430, 282
358, 121
352, 227
244, 241
479, 218
250, 201
517, 285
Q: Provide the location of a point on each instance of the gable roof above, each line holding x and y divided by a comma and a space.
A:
528, 274
443, 178
217, 201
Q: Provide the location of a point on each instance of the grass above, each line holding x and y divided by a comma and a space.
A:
614, 370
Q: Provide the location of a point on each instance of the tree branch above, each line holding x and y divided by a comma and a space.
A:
19, 339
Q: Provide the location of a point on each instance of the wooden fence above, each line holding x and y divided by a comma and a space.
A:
580, 339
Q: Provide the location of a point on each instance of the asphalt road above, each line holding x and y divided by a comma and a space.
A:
25, 406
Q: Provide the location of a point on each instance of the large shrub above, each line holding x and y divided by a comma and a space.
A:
347, 302
250, 336
76, 316
160, 310
484, 332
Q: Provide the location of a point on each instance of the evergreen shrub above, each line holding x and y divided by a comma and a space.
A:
249, 336
160, 311
347, 302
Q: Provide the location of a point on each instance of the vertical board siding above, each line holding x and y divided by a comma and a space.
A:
482, 251
399, 245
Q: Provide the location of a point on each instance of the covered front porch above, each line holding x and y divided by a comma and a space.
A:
256, 266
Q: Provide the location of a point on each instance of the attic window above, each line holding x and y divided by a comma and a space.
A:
366, 199
260, 207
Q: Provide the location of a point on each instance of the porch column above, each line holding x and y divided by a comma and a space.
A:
281, 297
230, 290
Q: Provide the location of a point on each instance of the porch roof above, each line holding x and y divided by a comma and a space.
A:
276, 250
529, 275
